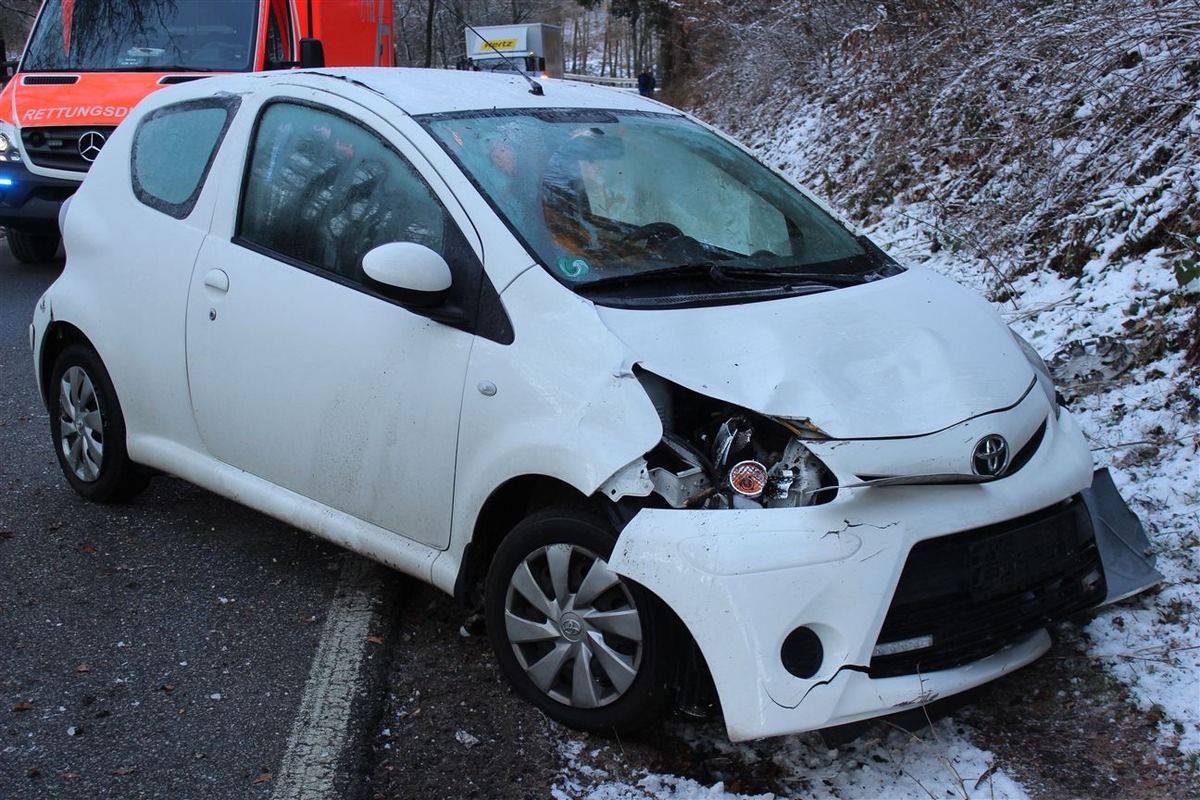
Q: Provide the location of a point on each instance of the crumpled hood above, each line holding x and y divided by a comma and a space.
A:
904, 356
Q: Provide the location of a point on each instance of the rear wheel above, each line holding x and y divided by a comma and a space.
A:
30, 248
89, 429
573, 637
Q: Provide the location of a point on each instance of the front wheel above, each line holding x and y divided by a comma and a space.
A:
31, 248
89, 429
573, 637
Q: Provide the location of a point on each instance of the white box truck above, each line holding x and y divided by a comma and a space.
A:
535, 48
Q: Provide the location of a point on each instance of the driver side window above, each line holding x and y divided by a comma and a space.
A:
322, 190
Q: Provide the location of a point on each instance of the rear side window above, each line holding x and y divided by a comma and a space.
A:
173, 149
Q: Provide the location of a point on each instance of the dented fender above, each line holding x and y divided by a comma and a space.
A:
561, 400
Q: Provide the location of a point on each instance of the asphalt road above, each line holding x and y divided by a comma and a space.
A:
156, 649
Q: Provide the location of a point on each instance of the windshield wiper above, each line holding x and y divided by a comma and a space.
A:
719, 274
699, 269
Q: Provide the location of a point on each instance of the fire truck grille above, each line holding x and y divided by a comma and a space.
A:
70, 148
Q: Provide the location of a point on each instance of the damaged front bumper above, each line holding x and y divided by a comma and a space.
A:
885, 599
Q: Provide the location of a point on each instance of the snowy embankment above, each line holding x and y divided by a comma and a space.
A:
1052, 163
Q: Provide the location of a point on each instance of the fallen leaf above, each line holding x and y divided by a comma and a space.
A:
168, 687
82, 668
88, 548
24, 705
70, 776
375, 639
123, 771
55, 526
263, 777
6, 534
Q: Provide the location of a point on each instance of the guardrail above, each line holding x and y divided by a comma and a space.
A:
603, 80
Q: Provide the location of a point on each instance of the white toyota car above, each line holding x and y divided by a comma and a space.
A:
585, 363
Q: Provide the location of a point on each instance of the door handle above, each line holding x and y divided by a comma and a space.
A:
217, 279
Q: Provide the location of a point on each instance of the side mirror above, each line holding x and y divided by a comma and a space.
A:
312, 53
410, 272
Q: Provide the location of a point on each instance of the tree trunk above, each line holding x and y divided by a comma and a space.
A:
429, 33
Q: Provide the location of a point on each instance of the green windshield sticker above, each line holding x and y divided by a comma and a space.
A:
572, 267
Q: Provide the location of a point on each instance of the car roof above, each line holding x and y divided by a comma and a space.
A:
430, 91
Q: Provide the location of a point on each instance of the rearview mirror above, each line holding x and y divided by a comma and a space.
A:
411, 272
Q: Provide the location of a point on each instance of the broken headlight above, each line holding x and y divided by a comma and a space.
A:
714, 455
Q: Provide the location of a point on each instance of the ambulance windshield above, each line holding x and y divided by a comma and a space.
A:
143, 36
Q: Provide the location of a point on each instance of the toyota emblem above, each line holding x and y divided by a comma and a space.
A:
990, 458
90, 144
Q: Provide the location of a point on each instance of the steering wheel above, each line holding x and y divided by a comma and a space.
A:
655, 234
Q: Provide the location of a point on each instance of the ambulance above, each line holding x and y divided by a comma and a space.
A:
87, 63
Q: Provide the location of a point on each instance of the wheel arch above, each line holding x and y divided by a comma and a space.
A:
59, 336
507, 505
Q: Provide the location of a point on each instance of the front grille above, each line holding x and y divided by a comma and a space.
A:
975, 593
58, 148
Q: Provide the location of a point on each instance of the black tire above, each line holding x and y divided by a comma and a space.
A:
31, 248
578, 641
88, 429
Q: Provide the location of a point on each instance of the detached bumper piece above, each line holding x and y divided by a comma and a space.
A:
1128, 557
967, 596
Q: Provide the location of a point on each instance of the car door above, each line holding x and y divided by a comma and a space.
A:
304, 373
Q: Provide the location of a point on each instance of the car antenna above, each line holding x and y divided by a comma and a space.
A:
534, 86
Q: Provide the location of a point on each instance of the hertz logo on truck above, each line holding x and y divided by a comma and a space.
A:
498, 44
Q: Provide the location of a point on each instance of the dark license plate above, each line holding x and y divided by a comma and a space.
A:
1018, 560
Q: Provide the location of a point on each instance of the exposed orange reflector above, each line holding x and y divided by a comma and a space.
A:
748, 478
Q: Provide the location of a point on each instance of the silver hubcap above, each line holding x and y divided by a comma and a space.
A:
81, 429
573, 626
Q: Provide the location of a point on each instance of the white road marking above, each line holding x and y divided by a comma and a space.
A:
317, 744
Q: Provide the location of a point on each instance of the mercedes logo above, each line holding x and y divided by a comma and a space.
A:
90, 144
990, 458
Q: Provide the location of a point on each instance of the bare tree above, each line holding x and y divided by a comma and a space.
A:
16, 18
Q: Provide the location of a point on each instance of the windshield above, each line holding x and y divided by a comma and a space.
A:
621, 203
143, 35
513, 63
